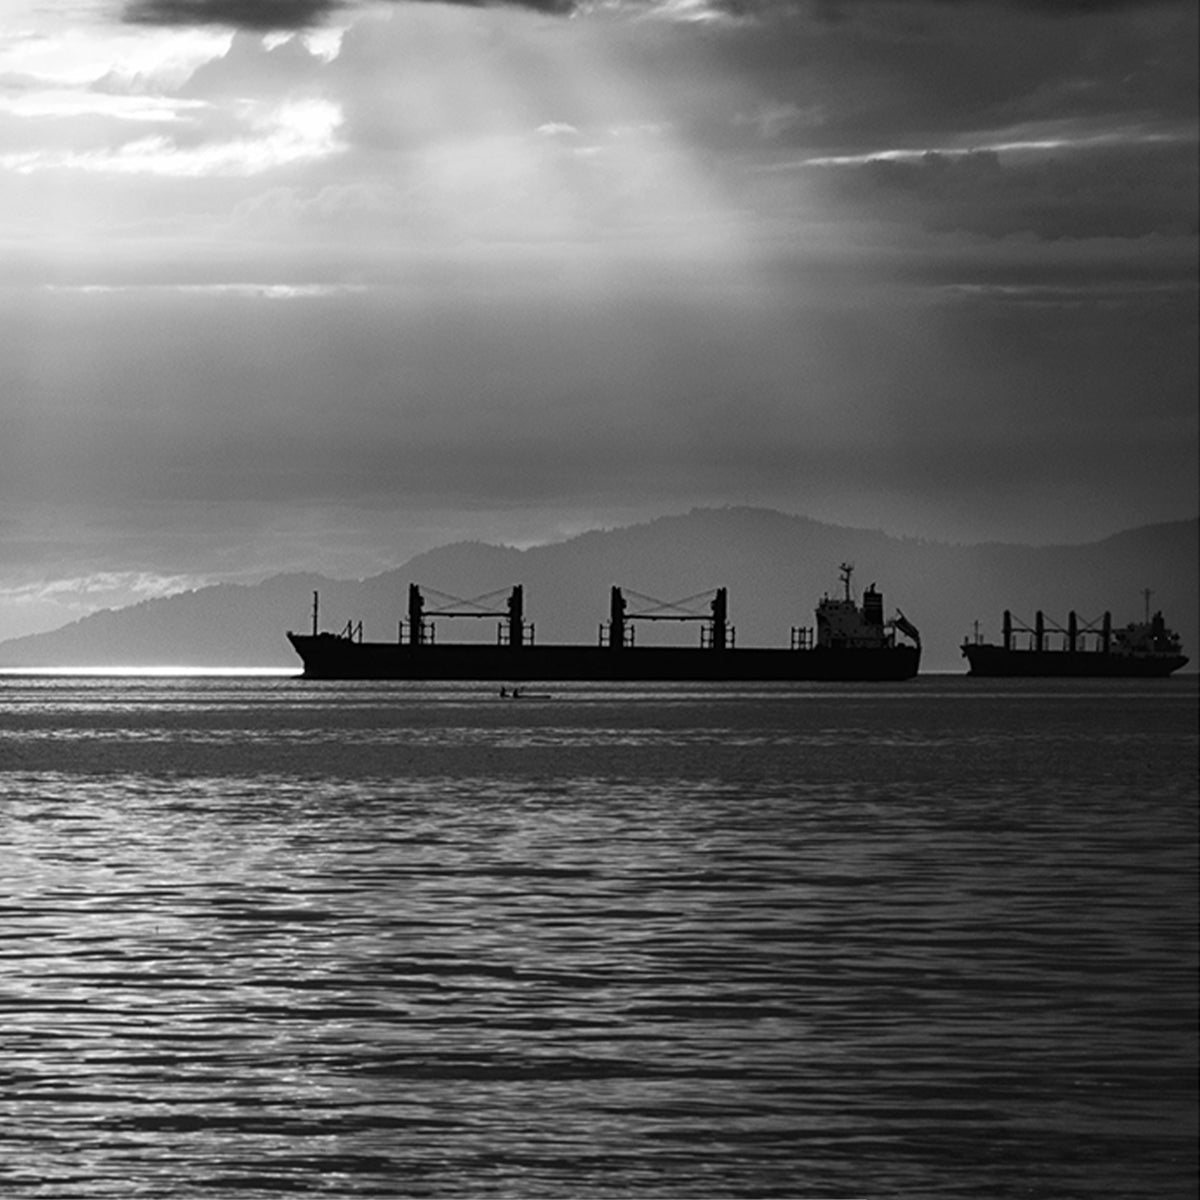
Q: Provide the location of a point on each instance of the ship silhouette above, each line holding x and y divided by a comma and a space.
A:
1080, 649
850, 642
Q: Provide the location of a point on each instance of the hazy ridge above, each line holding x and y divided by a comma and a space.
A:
776, 567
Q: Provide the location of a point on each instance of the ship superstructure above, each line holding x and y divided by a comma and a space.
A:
842, 624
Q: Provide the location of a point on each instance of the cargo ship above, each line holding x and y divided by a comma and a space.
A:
850, 642
1082, 649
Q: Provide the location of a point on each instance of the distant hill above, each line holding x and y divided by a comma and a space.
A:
775, 566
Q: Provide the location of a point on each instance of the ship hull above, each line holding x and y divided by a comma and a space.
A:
328, 656
996, 662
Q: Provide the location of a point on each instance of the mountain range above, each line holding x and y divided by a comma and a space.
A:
776, 567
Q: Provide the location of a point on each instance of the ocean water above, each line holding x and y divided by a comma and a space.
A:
266, 937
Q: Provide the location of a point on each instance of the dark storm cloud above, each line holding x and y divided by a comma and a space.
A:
268, 15
271, 15
239, 14
1065, 7
918, 76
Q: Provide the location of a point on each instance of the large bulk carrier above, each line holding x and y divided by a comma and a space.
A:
851, 642
1080, 649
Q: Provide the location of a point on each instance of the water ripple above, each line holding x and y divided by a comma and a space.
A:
261, 938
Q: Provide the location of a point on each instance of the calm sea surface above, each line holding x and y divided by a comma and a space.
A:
265, 937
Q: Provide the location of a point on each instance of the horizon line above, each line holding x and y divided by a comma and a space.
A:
163, 670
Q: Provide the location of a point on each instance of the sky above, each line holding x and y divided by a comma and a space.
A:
318, 284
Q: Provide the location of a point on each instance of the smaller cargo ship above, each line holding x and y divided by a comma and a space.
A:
1081, 649
851, 642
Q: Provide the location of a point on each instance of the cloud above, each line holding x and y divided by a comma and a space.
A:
1086, 192
277, 15
280, 135
274, 15
465, 259
251, 66
113, 587
262, 15
394, 397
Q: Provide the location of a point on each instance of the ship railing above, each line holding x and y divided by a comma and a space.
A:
604, 634
504, 633
426, 633
802, 637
